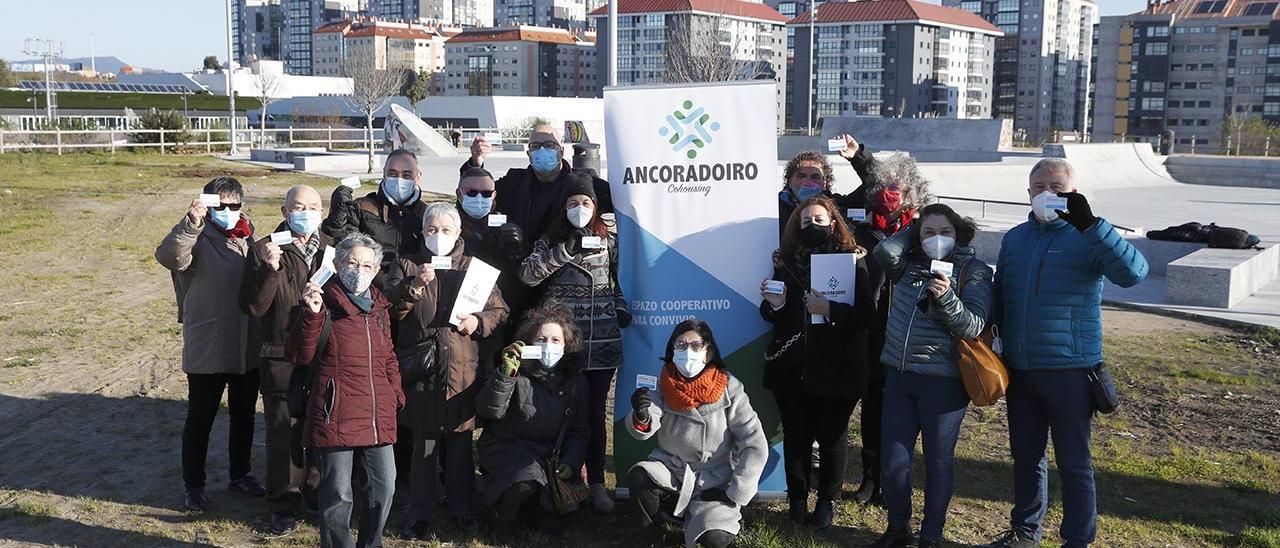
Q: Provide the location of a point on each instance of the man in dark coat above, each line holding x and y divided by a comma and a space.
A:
391, 215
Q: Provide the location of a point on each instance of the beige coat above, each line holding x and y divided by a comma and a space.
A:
207, 268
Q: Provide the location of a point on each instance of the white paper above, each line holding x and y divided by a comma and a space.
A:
592, 242
321, 276
835, 145
1054, 203
832, 276
210, 200
441, 262
497, 219
327, 259
647, 381
531, 352
351, 182
283, 237
857, 215
477, 285
774, 286
493, 138
941, 266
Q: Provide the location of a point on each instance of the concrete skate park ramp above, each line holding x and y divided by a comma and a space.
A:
1113, 165
403, 129
917, 135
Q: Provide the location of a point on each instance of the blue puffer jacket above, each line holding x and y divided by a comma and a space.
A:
921, 330
1049, 281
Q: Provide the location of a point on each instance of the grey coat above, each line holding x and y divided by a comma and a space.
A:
524, 415
921, 330
207, 270
717, 445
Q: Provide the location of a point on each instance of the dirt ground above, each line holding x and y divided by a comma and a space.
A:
92, 396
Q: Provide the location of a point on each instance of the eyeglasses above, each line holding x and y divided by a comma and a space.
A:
695, 346
232, 207
367, 267
473, 193
549, 145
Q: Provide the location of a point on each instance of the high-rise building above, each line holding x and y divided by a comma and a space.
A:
521, 61
464, 13
396, 45
1182, 68
669, 41
569, 14
301, 17
1042, 63
258, 29
893, 58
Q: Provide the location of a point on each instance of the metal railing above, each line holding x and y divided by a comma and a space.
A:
985, 201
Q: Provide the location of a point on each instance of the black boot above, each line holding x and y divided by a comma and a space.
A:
823, 514
512, 499
894, 538
716, 538
869, 491
799, 511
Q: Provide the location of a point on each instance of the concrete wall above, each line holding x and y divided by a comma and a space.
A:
922, 134
1225, 171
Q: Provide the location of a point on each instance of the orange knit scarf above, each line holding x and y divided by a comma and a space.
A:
684, 394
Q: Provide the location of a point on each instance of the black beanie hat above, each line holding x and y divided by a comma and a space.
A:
580, 184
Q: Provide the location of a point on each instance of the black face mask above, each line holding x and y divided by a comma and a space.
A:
815, 235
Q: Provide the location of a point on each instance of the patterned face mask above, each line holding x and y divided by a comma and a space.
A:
356, 280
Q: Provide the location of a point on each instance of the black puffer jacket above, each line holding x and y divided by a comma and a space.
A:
397, 228
828, 359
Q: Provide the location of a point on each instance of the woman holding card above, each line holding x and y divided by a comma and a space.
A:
576, 265
535, 406
704, 423
817, 363
941, 292
439, 365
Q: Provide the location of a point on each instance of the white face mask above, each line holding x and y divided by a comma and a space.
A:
938, 247
551, 354
579, 216
1037, 207
690, 362
440, 243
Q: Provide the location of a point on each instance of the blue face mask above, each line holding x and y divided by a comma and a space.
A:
400, 190
225, 219
806, 192
545, 160
304, 223
477, 206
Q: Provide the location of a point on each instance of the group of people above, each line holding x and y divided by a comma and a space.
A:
367, 375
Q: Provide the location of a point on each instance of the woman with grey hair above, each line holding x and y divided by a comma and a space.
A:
440, 367
342, 334
892, 190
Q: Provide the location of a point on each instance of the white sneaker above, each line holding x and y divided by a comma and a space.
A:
601, 502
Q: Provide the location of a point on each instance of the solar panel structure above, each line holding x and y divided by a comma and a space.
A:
105, 87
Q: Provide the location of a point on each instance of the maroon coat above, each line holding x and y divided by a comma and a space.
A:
355, 390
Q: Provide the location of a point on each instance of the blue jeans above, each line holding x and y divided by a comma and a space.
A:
1053, 402
374, 469
931, 408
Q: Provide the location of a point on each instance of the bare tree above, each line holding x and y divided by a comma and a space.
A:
705, 48
371, 88
269, 84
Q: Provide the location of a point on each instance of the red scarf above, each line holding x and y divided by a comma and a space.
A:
880, 221
241, 230
684, 394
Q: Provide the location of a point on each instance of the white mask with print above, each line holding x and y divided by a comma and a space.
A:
1038, 209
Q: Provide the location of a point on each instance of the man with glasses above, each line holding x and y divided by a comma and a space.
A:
391, 215
206, 252
533, 197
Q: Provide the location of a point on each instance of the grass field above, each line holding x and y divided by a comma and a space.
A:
92, 396
116, 101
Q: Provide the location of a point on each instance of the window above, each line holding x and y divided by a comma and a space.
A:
1157, 31
1204, 104
1157, 48
1271, 109
1261, 8
1211, 6
1153, 103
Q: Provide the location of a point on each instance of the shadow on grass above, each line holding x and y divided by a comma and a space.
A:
67, 532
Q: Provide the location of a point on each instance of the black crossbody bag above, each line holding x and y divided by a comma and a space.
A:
300, 377
1103, 388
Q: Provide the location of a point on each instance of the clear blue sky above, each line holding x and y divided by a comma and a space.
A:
164, 34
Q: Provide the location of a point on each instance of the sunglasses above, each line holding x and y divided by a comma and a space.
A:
473, 193
232, 207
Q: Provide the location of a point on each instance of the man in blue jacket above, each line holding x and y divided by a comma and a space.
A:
1049, 284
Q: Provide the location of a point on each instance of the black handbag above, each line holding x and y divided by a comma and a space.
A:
300, 377
1103, 388
415, 366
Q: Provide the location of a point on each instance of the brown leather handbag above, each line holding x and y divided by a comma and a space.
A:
983, 372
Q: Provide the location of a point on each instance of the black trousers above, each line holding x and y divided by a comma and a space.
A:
204, 395
599, 381
806, 419
872, 413
452, 452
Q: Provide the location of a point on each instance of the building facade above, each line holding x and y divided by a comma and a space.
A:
1042, 63
673, 41
301, 17
569, 14
520, 61
395, 45
893, 58
258, 30
1183, 69
462, 13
